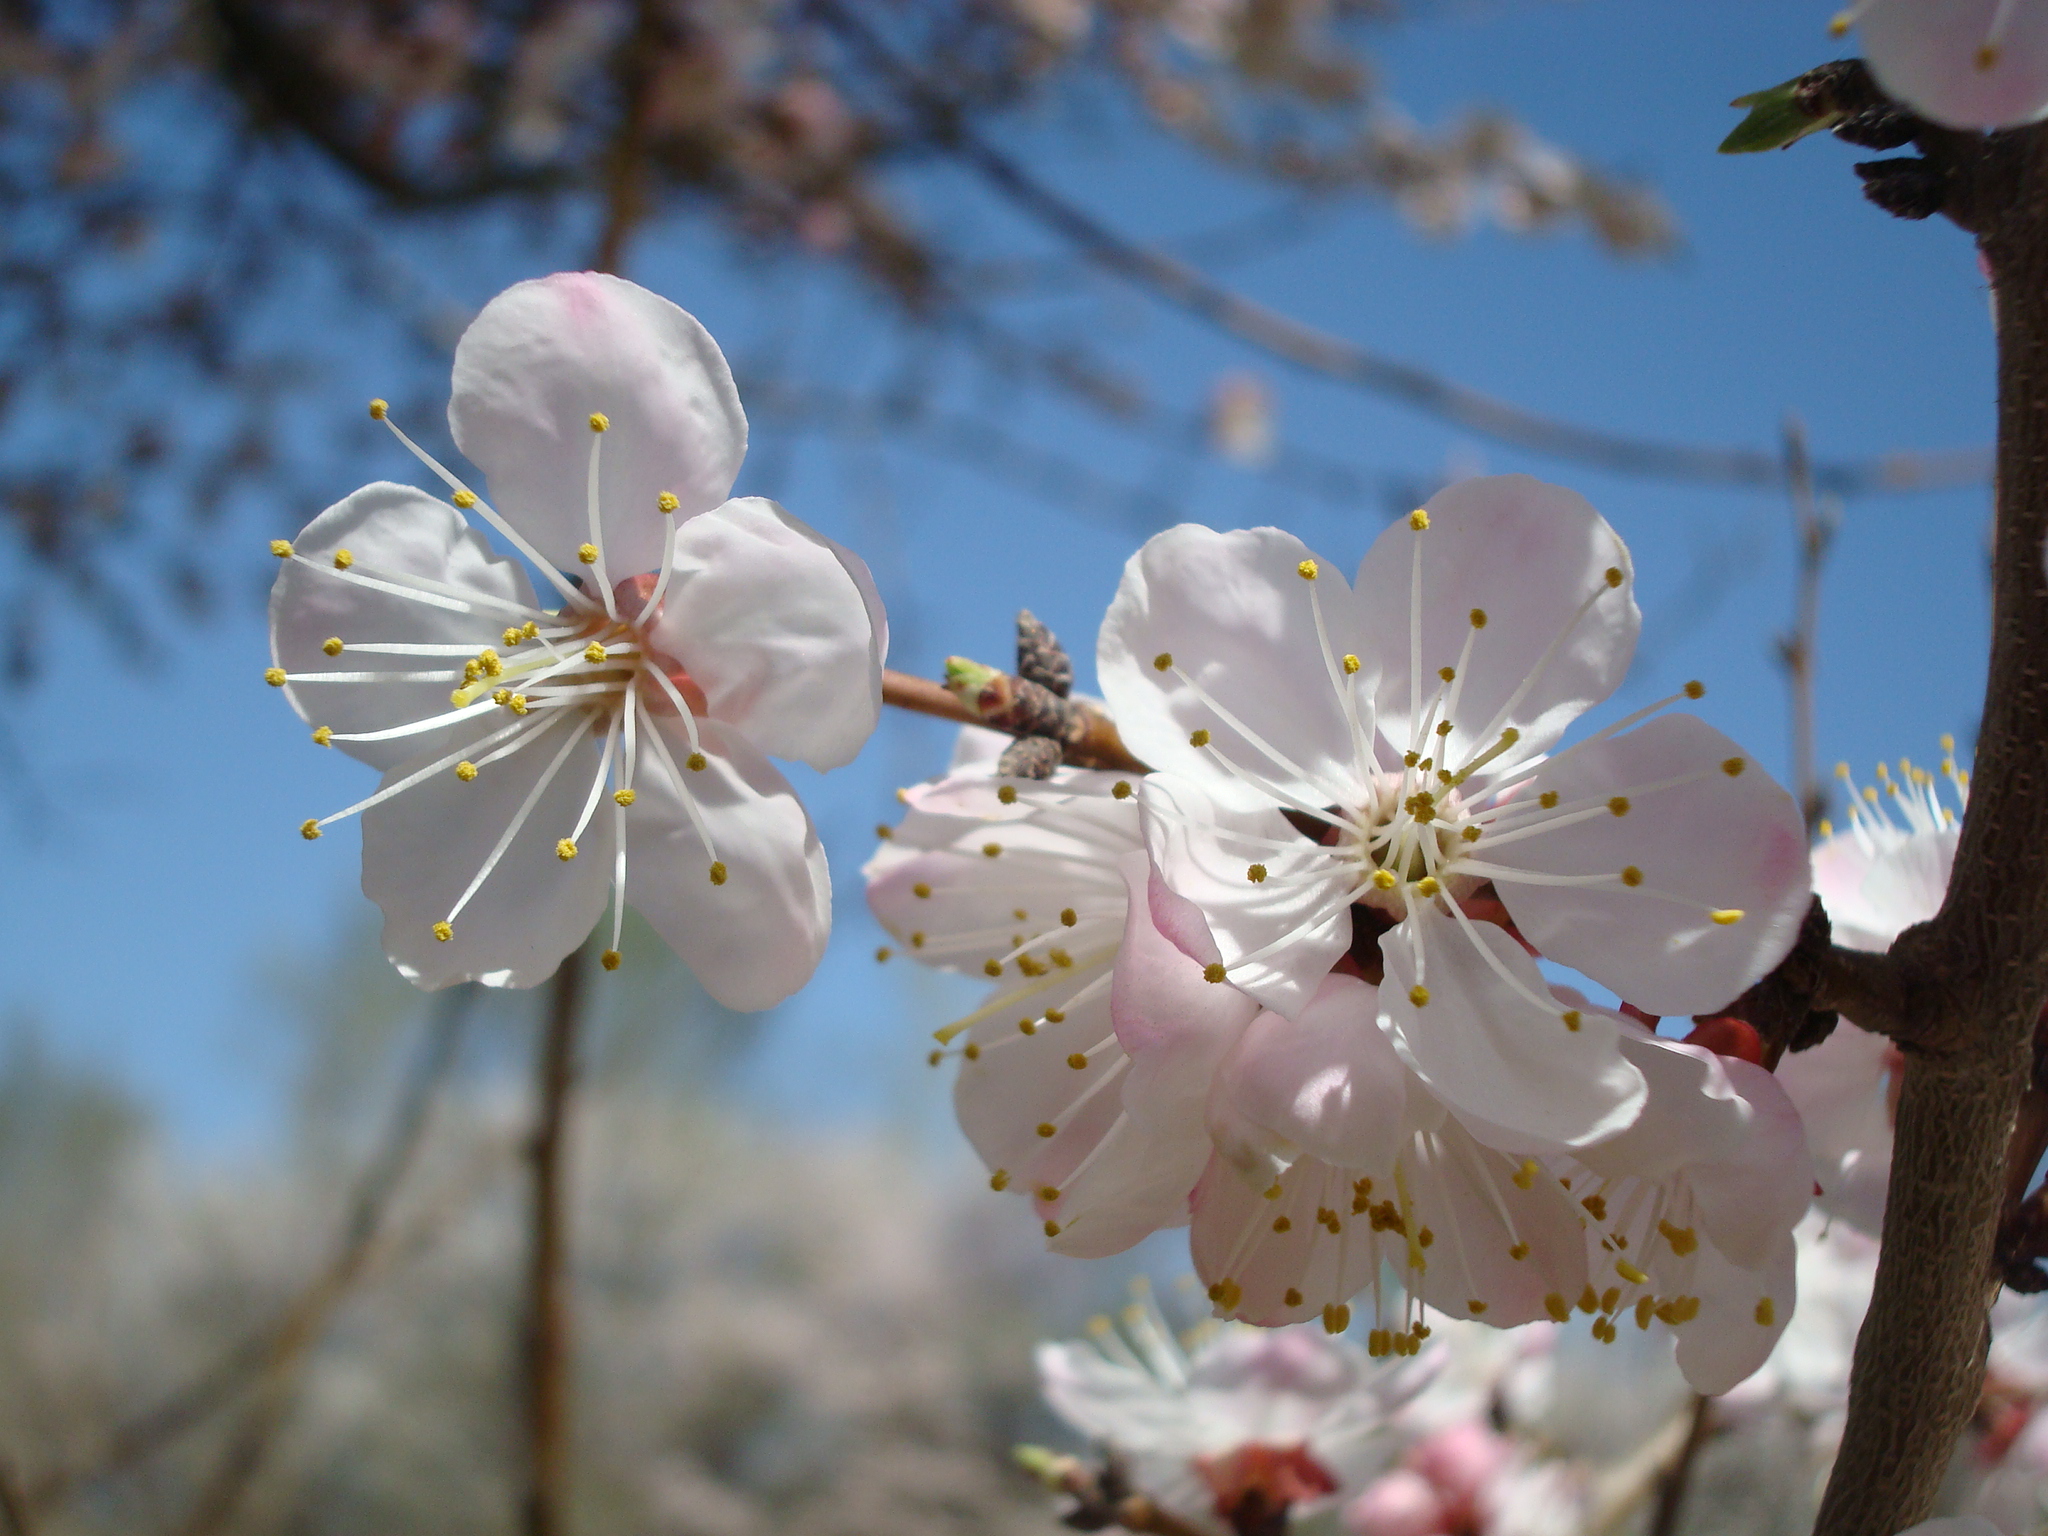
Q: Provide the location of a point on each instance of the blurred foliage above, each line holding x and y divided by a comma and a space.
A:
196, 196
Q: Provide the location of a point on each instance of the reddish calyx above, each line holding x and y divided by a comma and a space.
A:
1257, 1483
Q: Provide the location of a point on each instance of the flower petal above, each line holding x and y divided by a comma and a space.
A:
1751, 1198
1735, 1332
780, 627
1486, 1048
1233, 612
540, 359
391, 532
1280, 935
422, 848
1842, 1088
1693, 1114
756, 938
1327, 1085
1713, 842
1938, 56
1533, 559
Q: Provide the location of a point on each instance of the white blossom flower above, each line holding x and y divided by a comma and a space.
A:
1886, 872
527, 751
1966, 63
1288, 1416
1364, 772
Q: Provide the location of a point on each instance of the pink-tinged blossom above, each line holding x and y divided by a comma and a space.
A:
1287, 1418
1887, 871
540, 762
1965, 63
1027, 883
1368, 773
1468, 1480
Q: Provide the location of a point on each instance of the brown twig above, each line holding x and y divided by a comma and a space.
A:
625, 168
19, 1519
1968, 986
1095, 745
1671, 1488
546, 1326
1813, 531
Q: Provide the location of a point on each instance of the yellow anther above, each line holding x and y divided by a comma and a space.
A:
1682, 1239
1419, 996
1162, 662
717, 872
1351, 664
593, 653
1282, 1225
1047, 1130
1948, 742
565, 849
1476, 1307
444, 931
1870, 793
1060, 958
1589, 1299
1840, 23
1726, 917
1618, 805
323, 735
1827, 828
1448, 674
378, 408
1047, 1193
1291, 1297
972, 1051
1052, 1229
332, 645
1256, 873
1213, 971
1548, 799
696, 762
1054, 1016
1410, 759
502, 697
1425, 1237
1069, 917
1884, 773
624, 796
1987, 58
935, 1058
1630, 1273
343, 559
1695, 689
1559, 1309
511, 637
610, 959
991, 967
1078, 1060
1120, 790
1007, 794
1842, 771
1644, 1305
1766, 1312
282, 548
1733, 767
517, 704
1478, 617
599, 422
1027, 1026
1631, 876
1525, 1176
587, 553
466, 771
1572, 1019
1418, 519
471, 671
309, 829
530, 629
1443, 727
1614, 577
1228, 1294
274, 676
1471, 833
1306, 570
921, 890
1198, 738
1610, 1298
1519, 1252
667, 501
464, 498
882, 954
991, 850
1336, 1316
1596, 1206
1427, 886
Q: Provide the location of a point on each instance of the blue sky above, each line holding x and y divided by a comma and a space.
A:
163, 879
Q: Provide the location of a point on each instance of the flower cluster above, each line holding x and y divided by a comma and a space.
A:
540, 762
1285, 986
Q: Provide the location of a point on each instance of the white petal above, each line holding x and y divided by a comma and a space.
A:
1296, 922
1753, 1197
1927, 53
1727, 1342
1529, 556
1328, 1085
1232, 610
1693, 1113
1842, 1088
397, 531
1485, 1047
780, 627
755, 939
422, 848
1718, 843
540, 359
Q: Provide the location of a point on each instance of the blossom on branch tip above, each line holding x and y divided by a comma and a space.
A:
1963, 63
690, 629
1384, 755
